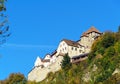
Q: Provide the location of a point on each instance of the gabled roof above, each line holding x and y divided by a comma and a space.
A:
92, 29
71, 43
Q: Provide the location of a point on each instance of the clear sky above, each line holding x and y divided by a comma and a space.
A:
37, 27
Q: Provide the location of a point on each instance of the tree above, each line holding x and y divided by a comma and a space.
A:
108, 39
2, 6
66, 62
15, 78
119, 29
4, 27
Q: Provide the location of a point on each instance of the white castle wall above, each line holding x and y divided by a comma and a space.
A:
39, 74
71, 50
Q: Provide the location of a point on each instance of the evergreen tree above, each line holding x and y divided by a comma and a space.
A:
66, 62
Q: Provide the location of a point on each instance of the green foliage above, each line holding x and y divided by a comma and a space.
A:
31, 82
2, 6
117, 47
114, 79
15, 78
108, 39
66, 62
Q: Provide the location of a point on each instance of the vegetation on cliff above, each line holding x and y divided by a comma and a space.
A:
101, 67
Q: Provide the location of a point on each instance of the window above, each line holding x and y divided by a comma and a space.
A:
72, 48
65, 48
80, 51
75, 49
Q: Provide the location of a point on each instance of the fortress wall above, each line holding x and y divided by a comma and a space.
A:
38, 74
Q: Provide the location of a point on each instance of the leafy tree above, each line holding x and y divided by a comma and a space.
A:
2, 6
4, 28
108, 39
66, 62
15, 78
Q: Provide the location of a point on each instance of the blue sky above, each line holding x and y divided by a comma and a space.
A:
37, 26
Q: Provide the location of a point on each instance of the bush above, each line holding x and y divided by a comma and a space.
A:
15, 78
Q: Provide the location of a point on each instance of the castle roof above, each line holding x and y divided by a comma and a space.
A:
92, 29
53, 53
71, 43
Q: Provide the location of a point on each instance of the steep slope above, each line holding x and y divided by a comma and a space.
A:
101, 67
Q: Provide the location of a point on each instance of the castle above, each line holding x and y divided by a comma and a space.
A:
77, 51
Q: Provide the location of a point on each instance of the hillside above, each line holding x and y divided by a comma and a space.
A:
101, 67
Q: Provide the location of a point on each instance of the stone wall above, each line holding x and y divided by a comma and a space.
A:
38, 74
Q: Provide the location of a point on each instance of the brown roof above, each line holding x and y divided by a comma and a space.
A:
71, 43
46, 60
84, 34
92, 29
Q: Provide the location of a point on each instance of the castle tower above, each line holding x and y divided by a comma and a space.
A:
88, 37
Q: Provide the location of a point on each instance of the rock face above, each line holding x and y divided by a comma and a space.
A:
38, 74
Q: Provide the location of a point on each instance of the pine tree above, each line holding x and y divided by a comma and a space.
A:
66, 62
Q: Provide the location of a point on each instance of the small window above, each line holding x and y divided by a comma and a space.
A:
65, 48
80, 51
76, 49
72, 48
